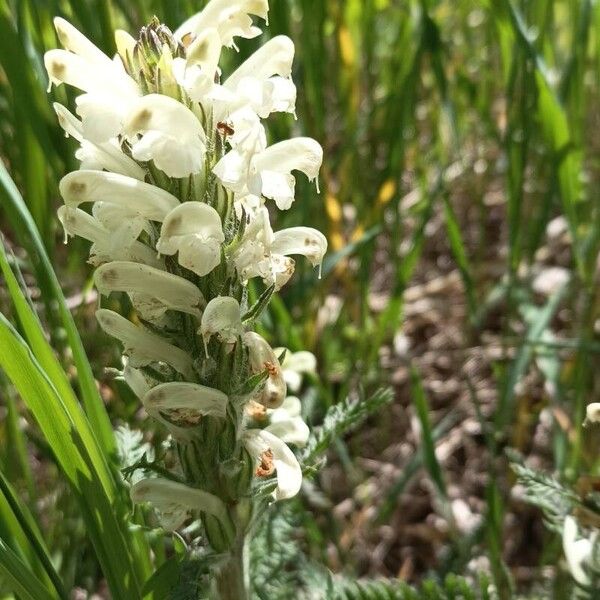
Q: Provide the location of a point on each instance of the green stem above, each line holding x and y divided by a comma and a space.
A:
231, 581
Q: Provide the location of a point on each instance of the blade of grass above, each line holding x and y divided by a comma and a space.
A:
29, 236
19, 577
94, 491
16, 511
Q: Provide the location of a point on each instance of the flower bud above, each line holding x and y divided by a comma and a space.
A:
221, 317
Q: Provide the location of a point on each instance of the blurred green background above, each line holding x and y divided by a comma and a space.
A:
459, 198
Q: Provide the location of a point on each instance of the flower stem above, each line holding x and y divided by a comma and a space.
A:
231, 581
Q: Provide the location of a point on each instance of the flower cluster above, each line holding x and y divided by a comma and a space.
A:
179, 176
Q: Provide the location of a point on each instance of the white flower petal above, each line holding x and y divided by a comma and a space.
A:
577, 552
275, 57
73, 40
172, 136
147, 200
292, 430
142, 346
194, 230
262, 357
291, 407
183, 404
229, 17
106, 155
301, 240
171, 291
175, 501
106, 243
221, 317
592, 412
289, 473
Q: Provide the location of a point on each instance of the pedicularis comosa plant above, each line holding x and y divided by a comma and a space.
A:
176, 170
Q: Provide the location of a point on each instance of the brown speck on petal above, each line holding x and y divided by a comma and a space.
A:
256, 411
266, 466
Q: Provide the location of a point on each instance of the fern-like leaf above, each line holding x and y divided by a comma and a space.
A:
341, 418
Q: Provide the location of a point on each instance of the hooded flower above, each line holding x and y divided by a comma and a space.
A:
269, 173
194, 230
221, 317
169, 134
272, 454
287, 424
578, 552
138, 197
183, 404
107, 245
176, 502
109, 91
106, 155
262, 358
230, 18
152, 291
142, 346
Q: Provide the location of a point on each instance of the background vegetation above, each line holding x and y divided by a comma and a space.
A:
459, 197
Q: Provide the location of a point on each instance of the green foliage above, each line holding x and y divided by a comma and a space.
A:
544, 491
342, 418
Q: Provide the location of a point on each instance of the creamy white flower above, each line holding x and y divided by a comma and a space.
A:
176, 502
269, 173
221, 317
107, 245
287, 424
262, 358
153, 291
142, 346
107, 155
183, 404
592, 412
114, 217
194, 230
139, 383
110, 91
578, 552
301, 240
263, 80
289, 474
294, 365
253, 256
196, 72
171, 135
231, 18
147, 200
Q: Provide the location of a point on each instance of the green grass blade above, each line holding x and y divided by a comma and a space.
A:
14, 510
459, 252
19, 576
99, 504
428, 445
29, 236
